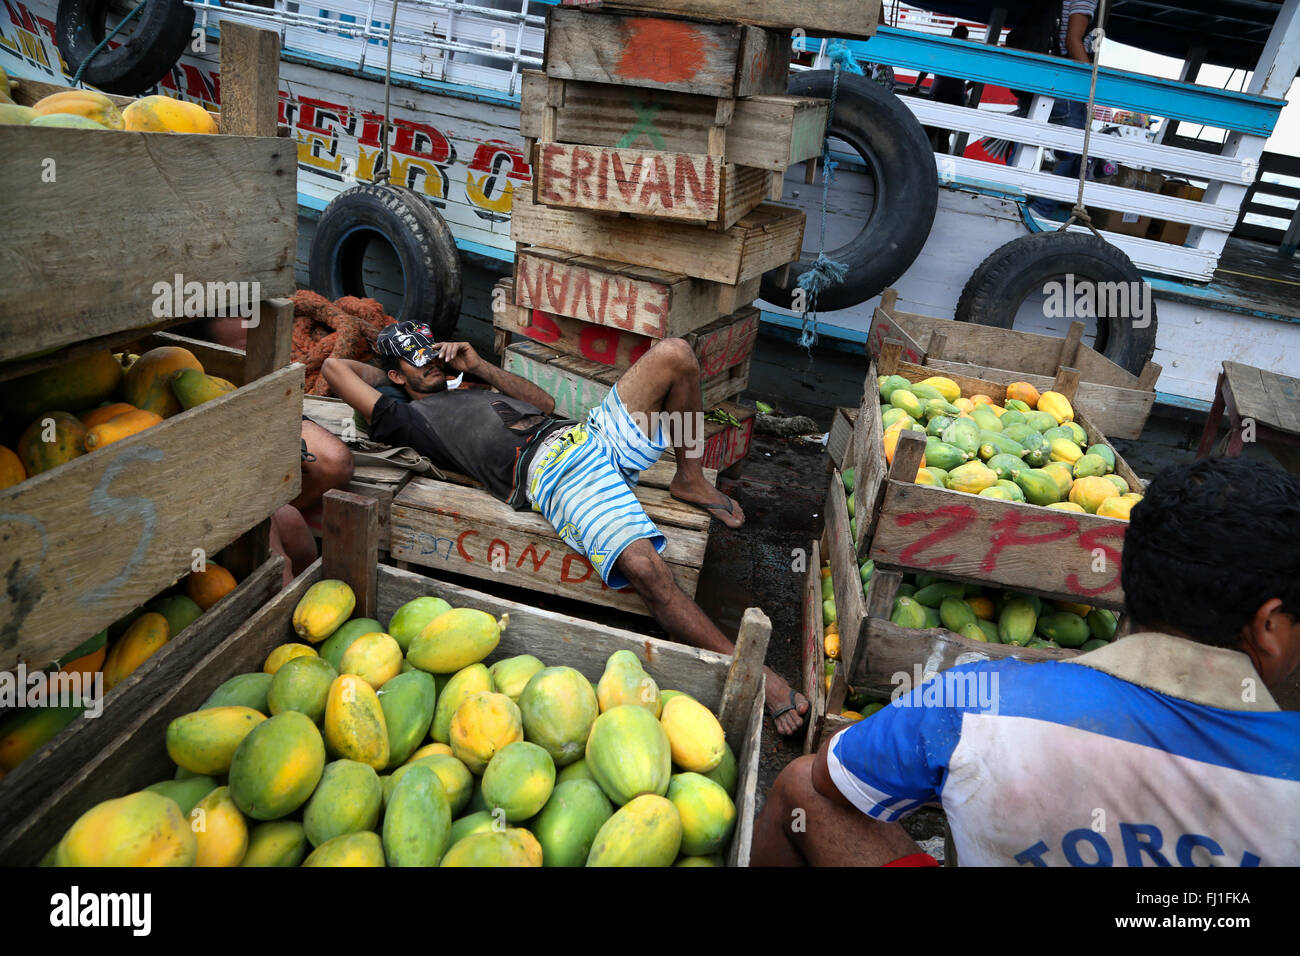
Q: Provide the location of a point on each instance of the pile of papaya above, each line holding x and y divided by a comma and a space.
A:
114, 653
59, 414
90, 109
1028, 450
366, 745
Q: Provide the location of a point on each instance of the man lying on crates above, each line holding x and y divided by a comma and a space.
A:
1163, 748
579, 475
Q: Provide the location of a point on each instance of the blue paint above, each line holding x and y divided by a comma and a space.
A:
1180, 401
1061, 78
1214, 296
835, 337
121, 510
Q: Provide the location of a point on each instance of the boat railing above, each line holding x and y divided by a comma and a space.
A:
1246, 120
1283, 209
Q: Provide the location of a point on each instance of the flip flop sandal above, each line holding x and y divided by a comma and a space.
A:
793, 705
729, 508
306, 455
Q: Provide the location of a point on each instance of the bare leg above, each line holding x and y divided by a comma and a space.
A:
230, 332
291, 538
331, 469
667, 380
800, 827
688, 624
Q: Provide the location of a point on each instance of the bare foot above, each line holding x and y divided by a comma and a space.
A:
704, 495
779, 696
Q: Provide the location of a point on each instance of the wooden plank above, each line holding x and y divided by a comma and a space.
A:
839, 438
349, 545
869, 466
85, 764
846, 580
884, 329
835, 18
250, 71
1268, 397
766, 132
438, 525
729, 444
270, 338
688, 187
768, 237
95, 538
219, 360
891, 650
722, 344
180, 222
745, 675
814, 683
612, 294
708, 59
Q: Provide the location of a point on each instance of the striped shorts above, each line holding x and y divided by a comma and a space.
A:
582, 484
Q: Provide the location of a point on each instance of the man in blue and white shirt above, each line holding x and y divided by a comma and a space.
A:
1164, 748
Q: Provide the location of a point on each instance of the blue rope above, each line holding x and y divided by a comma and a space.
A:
825, 271
104, 42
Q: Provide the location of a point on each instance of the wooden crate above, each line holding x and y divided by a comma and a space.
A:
83, 272
464, 530
722, 344
764, 132
29, 787
638, 300
133, 755
767, 238
839, 437
832, 18
710, 59
813, 679
1118, 401
1053, 553
579, 386
91, 540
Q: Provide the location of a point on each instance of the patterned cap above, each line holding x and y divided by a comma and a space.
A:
412, 341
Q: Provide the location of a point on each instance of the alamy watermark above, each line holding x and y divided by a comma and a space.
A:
179, 299
951, 688
23, 688
1084, 299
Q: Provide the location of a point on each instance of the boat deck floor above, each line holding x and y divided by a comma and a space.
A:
1252, 278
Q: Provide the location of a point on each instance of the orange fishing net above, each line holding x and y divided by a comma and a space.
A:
344, 329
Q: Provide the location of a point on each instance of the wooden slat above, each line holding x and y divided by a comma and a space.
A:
846, 580
709, 59
95, 538
814, 684
349, 545
839, 438
121, 750
766, 132
869, 466
1268, 397
745, 676
180, 220
838, 18
250, 71
219, 360
766, 238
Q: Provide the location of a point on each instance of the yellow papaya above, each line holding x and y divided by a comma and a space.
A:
1091, 492
276, 843
325, 606
430, 750
75, 385
1063, 475
1068, 506
12, 470
1117, 506
1065, 450
277, 766
946, 387
119, 427
707, 812
283, 655
350, 849
1056, 405
220, 830
646, 831
482, 725
1024, 392
205, 588
513, 846
355, 728
204, 741
86, 103
694, 735
193, 388
147, 384
375, 658
165, 114
972, 477
625, 681
103, 413
456, 639
53, 439
140, 829
472, 680
146, 635
11, 114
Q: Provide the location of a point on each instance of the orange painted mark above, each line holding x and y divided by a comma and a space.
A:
663, 51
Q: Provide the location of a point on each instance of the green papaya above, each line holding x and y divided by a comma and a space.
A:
1004, 445
990, 629
906, 400
1019, 432
964, 434
889, 383
924, 392
1106, 453
179, 610
890, 416
1005, 466
932, 618
1039, 421
993, 491
1012, 489
943, 455
1094, 644
1011, 417
1040, 488
935, 426
907, 613
956, 614
986, 418
243, 690
1017, 622
338, 642
1101, 623
1090, 466
933, 595
1065, 628
973, 632
1016, 405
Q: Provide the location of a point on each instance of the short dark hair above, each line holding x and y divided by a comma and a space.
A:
390, 363
1209, 544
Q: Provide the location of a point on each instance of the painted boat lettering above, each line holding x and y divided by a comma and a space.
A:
592, 177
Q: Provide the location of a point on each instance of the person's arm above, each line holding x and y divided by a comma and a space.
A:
1075, 32
462, 357
354, 382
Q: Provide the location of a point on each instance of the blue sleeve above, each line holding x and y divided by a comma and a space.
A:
896, 760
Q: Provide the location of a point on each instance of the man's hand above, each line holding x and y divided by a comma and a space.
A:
460, 356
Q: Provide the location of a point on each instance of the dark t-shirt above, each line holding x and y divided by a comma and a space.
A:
488, 436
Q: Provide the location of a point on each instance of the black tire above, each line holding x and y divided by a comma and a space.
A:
153, 43
417, 234
895, 148
994, 292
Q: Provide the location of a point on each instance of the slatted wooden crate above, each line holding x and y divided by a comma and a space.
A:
462, 529
719, 345
1118, 401
840, 437
579, 386
835, 18
764, 132
711, 59
813, 678
131, 753
1057, 554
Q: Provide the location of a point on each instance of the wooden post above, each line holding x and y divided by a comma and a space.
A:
1067, 382
1070, 345
907, 456
250, 80
745, 676
1150, 374
938, 346
350, 546
888, 362
889, 301
270, 341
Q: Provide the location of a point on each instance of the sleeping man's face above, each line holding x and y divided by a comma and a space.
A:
421, 382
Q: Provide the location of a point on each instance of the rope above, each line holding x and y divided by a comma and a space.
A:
381, 167
825, 271
1079, 213
76, 79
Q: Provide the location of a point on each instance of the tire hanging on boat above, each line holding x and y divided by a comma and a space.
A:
994, 292
146, 53
431, 274
894, 147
